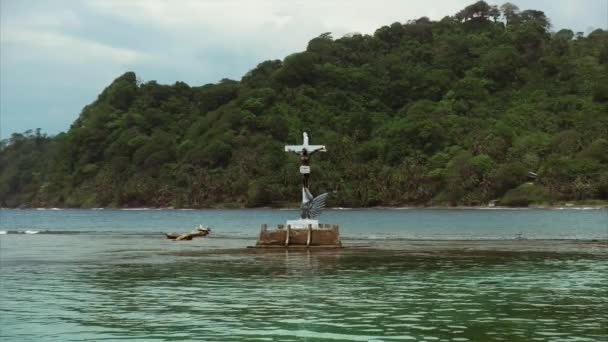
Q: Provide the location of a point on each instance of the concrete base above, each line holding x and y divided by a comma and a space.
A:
302, 223
304, 233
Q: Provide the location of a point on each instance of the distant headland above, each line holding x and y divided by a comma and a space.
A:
488, 106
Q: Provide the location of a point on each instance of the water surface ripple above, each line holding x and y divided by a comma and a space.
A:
293, 296
80, 287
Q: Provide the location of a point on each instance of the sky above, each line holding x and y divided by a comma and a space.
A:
57, 56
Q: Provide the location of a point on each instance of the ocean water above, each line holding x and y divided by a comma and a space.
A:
413, 274
405, 223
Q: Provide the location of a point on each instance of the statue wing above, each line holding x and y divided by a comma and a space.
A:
317, 205
307, 197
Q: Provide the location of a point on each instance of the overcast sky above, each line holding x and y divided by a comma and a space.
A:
57, 56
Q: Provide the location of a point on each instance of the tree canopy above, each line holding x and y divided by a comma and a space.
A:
450, 112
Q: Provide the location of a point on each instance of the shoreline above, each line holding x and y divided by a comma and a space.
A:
545, 207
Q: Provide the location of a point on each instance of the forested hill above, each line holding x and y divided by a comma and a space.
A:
449, 112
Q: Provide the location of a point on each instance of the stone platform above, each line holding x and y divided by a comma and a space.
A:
286, 235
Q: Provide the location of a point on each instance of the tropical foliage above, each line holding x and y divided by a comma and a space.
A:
449, 112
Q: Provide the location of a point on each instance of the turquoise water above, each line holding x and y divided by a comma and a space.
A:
358, 223
94, 275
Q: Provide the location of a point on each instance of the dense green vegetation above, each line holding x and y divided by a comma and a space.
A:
449, 112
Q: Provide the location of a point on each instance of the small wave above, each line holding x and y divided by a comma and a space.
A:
136, 209
486, 208
84, 232
49, 209
577, 208
30, 231
375, 237
499, 208
231, 237
380, 238
51, 232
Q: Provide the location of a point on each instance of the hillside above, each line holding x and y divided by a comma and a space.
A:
449, 112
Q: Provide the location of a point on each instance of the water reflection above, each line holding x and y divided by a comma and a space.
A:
299, 295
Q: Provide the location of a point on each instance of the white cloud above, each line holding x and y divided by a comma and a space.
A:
58, 18
47, 34
228, 16
37, 44
83, 44
269, 25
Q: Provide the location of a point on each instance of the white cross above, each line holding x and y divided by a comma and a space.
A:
305, 145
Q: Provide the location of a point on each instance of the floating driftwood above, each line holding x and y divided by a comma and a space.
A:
198, 232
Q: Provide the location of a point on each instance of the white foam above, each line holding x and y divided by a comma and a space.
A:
3, 232
32, 232
578, 208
